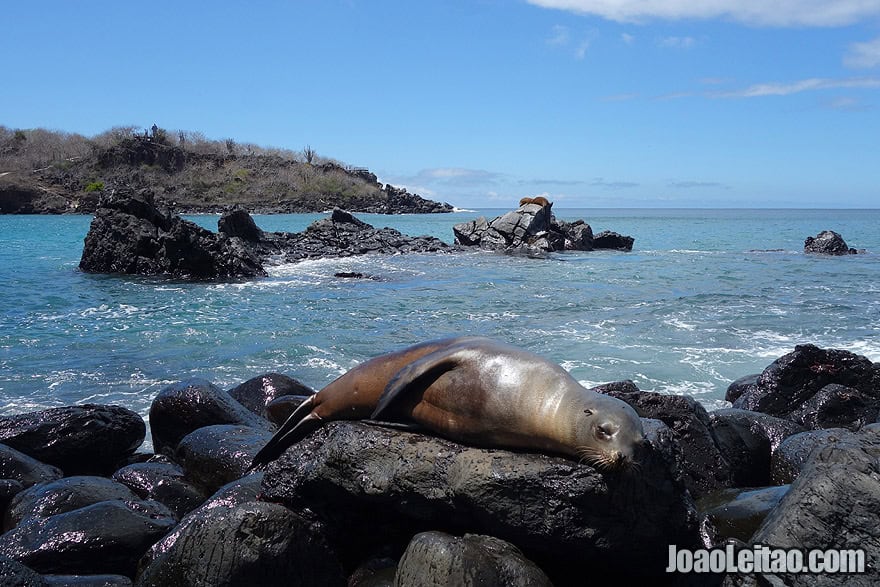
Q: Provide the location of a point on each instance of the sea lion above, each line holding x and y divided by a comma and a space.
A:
476, 391
539, 200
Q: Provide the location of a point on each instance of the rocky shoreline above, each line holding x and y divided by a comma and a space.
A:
794, 463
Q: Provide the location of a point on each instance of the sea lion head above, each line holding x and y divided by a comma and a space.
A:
609, 433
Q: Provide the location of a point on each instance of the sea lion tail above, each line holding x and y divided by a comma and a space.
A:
297, 426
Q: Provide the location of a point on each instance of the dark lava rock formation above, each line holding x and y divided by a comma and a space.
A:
827, 242
130, 235
532, 229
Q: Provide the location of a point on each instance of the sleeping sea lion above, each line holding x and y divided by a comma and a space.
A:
476, 391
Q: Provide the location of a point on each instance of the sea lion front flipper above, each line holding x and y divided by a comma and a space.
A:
297, 426
418, 375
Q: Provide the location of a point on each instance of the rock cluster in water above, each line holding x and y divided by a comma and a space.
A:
532, 229
828, 242
795, 463
130, 235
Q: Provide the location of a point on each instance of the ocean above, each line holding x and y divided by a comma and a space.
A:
706, 296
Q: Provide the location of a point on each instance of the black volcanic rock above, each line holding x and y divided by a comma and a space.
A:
183, 407
84, 439
827, 242
532, 229
258, 392
370, 481
130, 235
794, 379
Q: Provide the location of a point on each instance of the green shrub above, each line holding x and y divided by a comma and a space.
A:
95, 186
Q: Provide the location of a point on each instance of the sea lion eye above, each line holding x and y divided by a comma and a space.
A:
588, 412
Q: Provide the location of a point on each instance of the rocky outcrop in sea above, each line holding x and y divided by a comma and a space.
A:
358, 501
828, 242
130, 235
532, 229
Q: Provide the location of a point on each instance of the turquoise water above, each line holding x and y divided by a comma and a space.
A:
705, 297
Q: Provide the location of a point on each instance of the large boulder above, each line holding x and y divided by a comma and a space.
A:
237, 222
532, 229
704, 466
81, 440
737, 513
19, 471
747, 441
833, 504
189, 405
253, 543
130, 235
437, 558
162, 482
258, 392
794, 379
827, 242
368, 481
63, 495
213, 456
106, 537
790, 457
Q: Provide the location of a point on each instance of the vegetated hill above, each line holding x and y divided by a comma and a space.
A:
46, 172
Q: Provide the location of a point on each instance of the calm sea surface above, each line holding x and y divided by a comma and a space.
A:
705, 296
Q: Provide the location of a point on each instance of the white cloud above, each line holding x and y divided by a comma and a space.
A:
627, 38
581, 50
752, 12
863, 55
806, 85
457, 175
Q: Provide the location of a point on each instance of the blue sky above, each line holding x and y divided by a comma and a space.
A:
592, 103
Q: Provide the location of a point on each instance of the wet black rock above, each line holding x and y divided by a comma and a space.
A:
837, 406
370, 481
189, 405
704, 466
240, 491
258, 392
282, 407
747, 440
437, 558
85, 439
213, 456
792, 454
22, 471
532, 229
252, 543
612, 240
742, 385
833, 504
106, 537
130, 235
793, 379
63, 495
827, 242
15, 574
237, 222
736, 513
162, 482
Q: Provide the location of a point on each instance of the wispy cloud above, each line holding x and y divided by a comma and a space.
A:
796, 87
627, 38
690, 184
781, 13
863, 55
578, 44
678, 42
613, 185
560, 36
458, 175
542, 182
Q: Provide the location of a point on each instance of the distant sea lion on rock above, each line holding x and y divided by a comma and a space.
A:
476, 391
539, 200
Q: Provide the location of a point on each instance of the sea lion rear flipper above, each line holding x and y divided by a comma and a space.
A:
418, 375
296, 427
